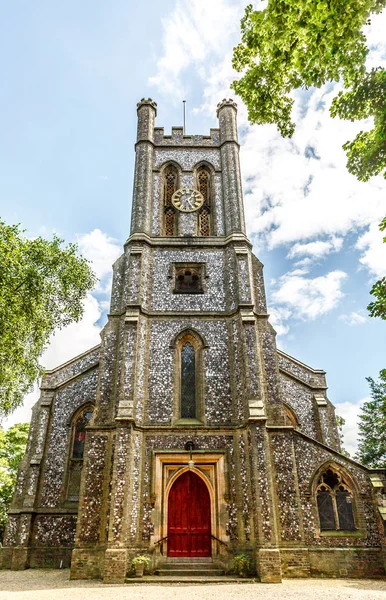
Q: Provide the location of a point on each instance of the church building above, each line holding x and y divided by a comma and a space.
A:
186, 434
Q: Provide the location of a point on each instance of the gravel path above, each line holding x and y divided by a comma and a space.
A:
39, 584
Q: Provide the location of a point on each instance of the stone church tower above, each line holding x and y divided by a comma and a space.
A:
186, 433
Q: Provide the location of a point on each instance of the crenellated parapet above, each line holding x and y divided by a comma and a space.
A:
178, 138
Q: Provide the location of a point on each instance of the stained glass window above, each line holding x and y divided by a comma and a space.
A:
188, 381
80, 434
344, 509
77, 452
334, 503
326, 510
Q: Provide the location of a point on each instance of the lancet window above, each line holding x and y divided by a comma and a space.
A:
78, 438
204, 186
335, 502
170, 185
188, 382
189, 377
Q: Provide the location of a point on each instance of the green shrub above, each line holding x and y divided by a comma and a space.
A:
141, 559
242, 565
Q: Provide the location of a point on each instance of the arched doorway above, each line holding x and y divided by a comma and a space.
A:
189, 527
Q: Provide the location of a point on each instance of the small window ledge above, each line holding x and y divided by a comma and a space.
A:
188, 422
341, 533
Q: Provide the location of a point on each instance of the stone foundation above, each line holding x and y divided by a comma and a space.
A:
50, 558
115, 566
87, 563
347, 562
295, 562
14, 558
268, 565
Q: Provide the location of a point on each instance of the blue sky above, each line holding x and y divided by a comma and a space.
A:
72, 74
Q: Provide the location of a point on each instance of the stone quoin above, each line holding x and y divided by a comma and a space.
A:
187, 433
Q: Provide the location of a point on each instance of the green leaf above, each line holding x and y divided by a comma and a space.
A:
42, 288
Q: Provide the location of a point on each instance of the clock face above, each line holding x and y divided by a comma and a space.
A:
187, 199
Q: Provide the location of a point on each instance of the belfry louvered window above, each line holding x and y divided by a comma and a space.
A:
203, 184
188, 381
78, 439
335, 503
188, 279
170, 183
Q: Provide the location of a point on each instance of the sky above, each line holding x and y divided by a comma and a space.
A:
72, 74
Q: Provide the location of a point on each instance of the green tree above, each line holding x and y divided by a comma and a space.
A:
42, 286
12, 448
296, 44
340, 421
377, 308
372, 425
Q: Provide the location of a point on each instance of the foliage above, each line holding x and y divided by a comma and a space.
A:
12, 448
340, 422
367, 98
242, 565
42, 285
372, 425
377, 308
141, 559
294, 44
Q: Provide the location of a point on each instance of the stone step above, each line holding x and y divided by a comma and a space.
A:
192, 572
184, 565
188, 559
171, 580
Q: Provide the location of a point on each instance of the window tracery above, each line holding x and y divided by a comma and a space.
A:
335, 502
188, 279
170, 180
203, 185
78, 438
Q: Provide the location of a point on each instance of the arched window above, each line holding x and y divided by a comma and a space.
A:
78, 438
203, 185
189, 377
290, 416
188, 382
170, 184
335, 502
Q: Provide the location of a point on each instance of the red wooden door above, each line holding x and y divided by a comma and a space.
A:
189, 517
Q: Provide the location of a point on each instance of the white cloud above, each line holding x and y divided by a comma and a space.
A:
353, 318
297, 191
193, 34
102, 251
374, 250
76, 338
317, 249
350, 412
277, 316
308, 298
23, 413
